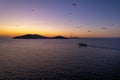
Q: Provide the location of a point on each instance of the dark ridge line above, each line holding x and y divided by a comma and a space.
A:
104, 47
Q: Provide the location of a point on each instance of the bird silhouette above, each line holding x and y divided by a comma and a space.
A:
89, 31
33, 10
74, 4
104, 28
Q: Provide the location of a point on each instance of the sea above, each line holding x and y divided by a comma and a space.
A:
60, 59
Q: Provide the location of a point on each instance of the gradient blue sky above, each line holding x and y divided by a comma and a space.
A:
89, 18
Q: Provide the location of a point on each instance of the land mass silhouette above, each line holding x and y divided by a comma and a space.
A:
36, 36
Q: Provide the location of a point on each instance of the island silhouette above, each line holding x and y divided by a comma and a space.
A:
36, 36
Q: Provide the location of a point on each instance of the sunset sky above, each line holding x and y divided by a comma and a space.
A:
77, 18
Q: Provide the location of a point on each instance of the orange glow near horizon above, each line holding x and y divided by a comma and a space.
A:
52, 30
16, 32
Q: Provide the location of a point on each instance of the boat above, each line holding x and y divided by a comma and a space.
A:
82, 44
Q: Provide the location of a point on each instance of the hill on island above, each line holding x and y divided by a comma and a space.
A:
36, 36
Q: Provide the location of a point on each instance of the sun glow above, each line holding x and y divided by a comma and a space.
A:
11, 31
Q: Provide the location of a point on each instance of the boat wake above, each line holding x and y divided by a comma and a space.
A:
104, 47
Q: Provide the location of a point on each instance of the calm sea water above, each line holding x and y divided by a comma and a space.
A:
46, 59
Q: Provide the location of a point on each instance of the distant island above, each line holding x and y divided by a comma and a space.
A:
36, 36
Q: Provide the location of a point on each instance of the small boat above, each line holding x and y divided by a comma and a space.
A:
82, 44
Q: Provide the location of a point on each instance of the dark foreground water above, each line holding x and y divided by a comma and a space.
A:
59, 59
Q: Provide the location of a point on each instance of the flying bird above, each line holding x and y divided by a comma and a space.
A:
32, 10
112, 24
74, 4
89, 31
103, 28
